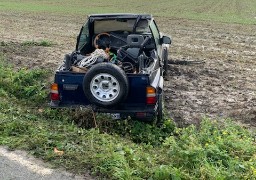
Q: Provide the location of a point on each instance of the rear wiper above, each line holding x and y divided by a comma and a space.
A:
136, 23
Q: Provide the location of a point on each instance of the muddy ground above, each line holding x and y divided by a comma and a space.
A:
212, 66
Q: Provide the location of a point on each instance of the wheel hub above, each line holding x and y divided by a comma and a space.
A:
105, 87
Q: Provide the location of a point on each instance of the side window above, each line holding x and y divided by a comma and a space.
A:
156, 35
143, 26
84, 36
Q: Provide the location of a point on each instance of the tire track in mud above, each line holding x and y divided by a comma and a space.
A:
198, 90
224, 83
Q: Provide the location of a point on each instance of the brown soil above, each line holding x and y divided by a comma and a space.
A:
212, 67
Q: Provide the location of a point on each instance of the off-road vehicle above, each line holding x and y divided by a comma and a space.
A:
117, 67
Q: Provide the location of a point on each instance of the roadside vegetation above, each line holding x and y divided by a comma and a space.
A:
217, 149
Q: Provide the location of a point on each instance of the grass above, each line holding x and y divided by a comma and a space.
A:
233, 11
23, 84
44, 43
118, 149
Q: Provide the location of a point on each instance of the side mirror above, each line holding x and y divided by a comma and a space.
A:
166, 40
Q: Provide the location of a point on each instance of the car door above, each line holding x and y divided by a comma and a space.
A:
156, 34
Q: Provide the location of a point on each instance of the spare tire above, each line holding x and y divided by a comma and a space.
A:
105, 84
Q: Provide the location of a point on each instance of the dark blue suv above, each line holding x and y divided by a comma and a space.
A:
117, 67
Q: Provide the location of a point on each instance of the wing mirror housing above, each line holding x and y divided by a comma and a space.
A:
166, 40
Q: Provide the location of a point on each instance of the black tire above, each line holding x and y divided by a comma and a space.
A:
105, 84
160, 108
165, 58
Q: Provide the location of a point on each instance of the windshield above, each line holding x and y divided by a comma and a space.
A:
119, 28
110, 25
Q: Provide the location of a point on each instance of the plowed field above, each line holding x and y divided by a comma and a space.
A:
212, 66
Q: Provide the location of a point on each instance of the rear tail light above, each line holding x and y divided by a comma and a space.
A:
54, 92
151, 95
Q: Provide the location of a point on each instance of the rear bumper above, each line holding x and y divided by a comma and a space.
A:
145, 113
139, 112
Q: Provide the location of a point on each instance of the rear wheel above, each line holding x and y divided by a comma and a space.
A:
160, 107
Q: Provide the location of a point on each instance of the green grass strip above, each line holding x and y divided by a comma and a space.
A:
232, 11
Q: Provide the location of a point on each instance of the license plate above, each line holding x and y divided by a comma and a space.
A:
115, 115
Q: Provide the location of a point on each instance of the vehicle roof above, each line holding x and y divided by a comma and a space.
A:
119, 15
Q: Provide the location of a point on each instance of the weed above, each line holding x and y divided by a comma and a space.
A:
137, 131
23, 84
216, 150
2, 43
44, 43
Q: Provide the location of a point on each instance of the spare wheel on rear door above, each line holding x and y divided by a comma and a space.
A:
105, 84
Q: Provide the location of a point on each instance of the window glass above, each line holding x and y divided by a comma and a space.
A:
156, 35
143, 26
110, 25
84, 37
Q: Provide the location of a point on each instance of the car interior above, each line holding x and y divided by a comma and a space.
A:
119, 42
